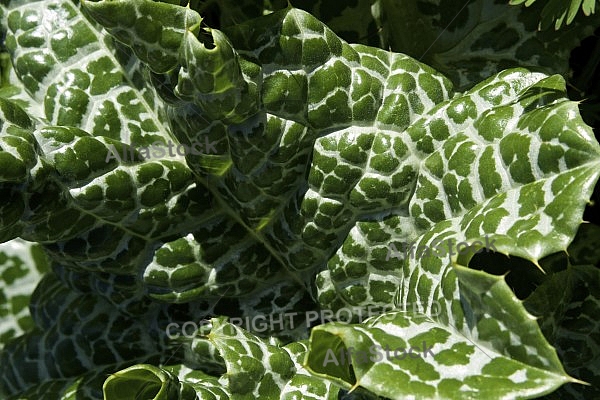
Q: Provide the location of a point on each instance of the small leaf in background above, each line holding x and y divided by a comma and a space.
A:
559, 12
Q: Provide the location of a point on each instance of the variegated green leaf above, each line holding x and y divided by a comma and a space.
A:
77, 334
317, 156
161, 42
478, 185
568, 304
253, 368
21, 267
257, 368
147, 382
89, 386
470, 41
401, 355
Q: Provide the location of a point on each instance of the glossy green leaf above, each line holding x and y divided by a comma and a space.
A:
254, 368
172, 172
162, 42
399, 355
141, 381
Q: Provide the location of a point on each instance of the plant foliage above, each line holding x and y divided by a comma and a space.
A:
322, 159
558, 12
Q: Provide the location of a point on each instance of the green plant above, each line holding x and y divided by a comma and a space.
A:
327, 155
555, 11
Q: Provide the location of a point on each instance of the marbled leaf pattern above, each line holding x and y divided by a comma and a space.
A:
315, 163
